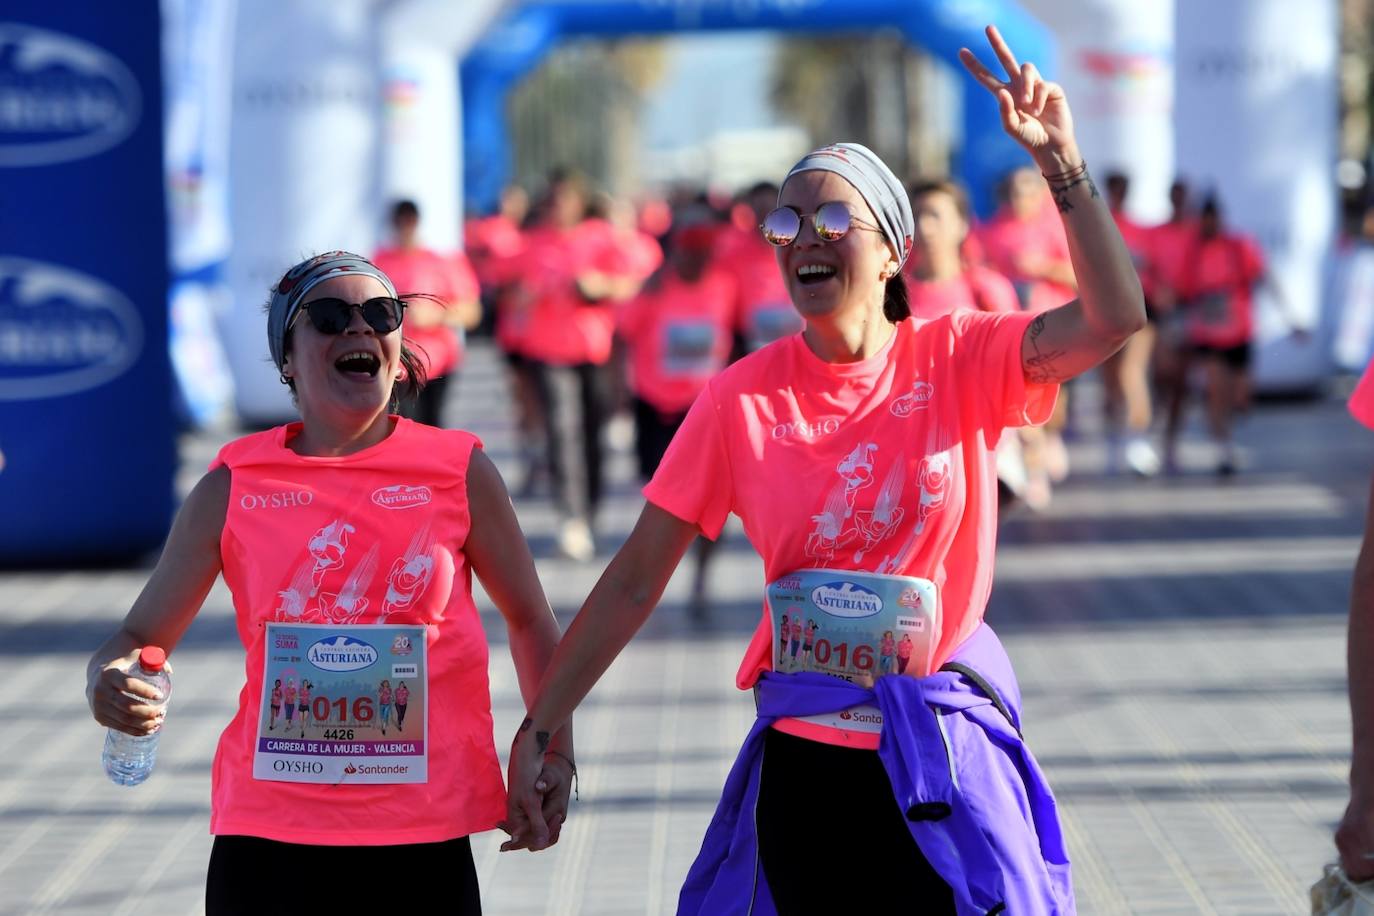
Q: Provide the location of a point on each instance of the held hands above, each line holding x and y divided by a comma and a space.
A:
1034, 111
108, 692
539, 785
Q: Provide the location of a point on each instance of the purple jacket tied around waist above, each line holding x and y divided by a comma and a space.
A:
975, 800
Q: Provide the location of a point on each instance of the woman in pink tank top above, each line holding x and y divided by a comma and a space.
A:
347, 541
864, 446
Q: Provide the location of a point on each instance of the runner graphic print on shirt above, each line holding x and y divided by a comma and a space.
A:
351, 602
877, 524
410, 575
328, 547
833, 526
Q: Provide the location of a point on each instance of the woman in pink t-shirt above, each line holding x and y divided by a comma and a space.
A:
862, 445
676, 335
303, 706
290, 696
348, 538
384, 704
941, 278
402, 700
276, 704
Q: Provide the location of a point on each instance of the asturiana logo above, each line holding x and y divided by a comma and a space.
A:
61, 331
341, 653
846, 599
61, 98
401, 496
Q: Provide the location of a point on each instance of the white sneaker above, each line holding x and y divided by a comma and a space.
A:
1141, 458
575, 541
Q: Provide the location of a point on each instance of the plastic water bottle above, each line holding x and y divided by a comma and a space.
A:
128, 759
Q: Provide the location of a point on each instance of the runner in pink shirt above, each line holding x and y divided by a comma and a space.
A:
573, 275
941, 278
276, 704
677, 334
290, 696
904, 650
763, 312
1126, 401
360, 530
1025, 242
1216, 287
436, 322
304, 707
402, 700
384, 704
1355, 835
863, 445
885, 650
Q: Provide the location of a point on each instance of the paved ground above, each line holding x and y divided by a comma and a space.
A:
1179, 643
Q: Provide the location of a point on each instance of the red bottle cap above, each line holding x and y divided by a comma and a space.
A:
152, 658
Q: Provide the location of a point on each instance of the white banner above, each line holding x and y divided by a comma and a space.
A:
423, 42
304, 164
1256, 122
1116, 67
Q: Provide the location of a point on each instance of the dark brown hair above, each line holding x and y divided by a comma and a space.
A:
895, 305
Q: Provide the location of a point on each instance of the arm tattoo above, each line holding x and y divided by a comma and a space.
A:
1061, 194
525, 726
1040, 368
542, 738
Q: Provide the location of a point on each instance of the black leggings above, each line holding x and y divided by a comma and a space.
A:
400, 714
827, 813
250, 876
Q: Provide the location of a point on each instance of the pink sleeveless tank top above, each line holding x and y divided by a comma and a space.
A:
368, 538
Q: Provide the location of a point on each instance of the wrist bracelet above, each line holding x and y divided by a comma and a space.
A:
571, 764
1071, 173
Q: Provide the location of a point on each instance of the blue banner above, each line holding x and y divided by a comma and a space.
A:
86, 429
522, 38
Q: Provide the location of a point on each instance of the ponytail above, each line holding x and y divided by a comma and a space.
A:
895, 305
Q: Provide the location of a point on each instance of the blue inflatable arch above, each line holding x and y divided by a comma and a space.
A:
517, 43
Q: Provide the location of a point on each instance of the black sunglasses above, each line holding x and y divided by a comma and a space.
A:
332, 316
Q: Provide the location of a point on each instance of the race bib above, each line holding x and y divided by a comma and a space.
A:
1213, 309
355, 705
687, 348
848, 624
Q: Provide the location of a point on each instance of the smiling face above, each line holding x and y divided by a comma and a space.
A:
832, 278
348, 375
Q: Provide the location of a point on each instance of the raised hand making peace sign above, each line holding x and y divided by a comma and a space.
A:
1035, 112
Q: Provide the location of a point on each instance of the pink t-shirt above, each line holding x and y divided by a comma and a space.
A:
1219, 283
276, 696
763, 310
1007, 240
1362, 398
402, 695
678, 335
290, 694
491, 243
1140, 245
887, 646
384, 696
884, 465
1171, 246
555, 324
978, 288
904, 647
419, 270
372, 537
